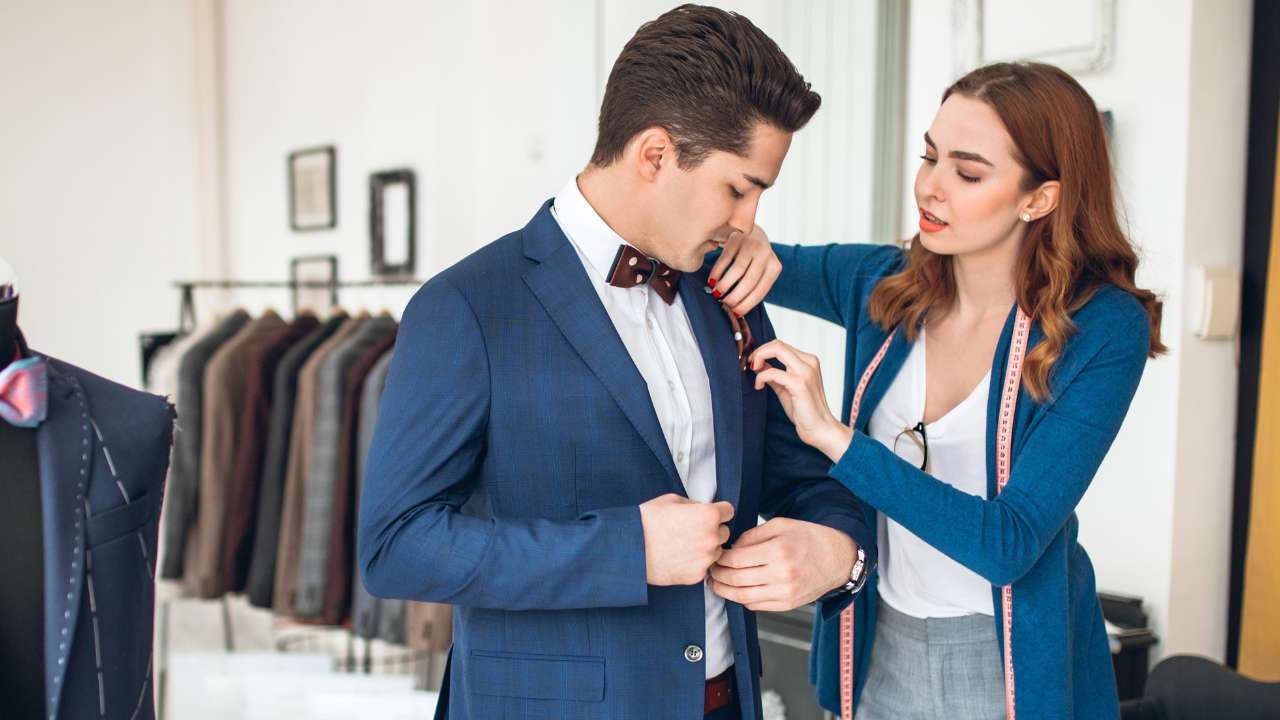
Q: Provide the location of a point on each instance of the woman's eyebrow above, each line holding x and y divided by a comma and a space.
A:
959, 154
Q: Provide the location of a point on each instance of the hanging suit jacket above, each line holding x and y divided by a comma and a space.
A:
275, 461
184, 479
304, 419
338, 571
321, 480
225, 382
368, 613
103, 451
515, 441
251, 442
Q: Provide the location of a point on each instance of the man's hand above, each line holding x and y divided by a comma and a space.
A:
682, 538
783, 564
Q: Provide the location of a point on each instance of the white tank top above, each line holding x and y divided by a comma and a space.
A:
915, 578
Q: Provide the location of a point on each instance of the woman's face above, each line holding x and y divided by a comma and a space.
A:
969, 186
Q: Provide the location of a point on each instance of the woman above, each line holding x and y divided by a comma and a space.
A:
1002, 346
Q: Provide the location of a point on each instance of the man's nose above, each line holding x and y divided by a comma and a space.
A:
744, 215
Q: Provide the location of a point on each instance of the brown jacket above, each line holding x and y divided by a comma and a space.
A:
242, 497
224, 391
290, 545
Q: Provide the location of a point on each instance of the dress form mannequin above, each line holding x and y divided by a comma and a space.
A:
79, 511
21, 598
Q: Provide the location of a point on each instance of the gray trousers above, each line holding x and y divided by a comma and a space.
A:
932, 669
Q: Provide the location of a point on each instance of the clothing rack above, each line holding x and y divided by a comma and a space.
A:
186, 322
187, 309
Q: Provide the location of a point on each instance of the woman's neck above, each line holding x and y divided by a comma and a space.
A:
984, 284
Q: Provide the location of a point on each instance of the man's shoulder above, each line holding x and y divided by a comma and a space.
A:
483, 280
490, 266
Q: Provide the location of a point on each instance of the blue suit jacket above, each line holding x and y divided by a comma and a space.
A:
103, 451
515, 442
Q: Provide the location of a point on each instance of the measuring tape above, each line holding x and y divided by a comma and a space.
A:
1004, 461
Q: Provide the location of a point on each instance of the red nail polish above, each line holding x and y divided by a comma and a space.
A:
711, 282
716, 294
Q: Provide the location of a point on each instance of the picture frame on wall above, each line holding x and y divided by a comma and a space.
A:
313, 280
1078, 37
392, 223
313, 201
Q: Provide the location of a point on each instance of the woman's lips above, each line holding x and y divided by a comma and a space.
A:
930, 226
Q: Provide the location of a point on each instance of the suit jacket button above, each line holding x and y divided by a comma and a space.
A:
693, 654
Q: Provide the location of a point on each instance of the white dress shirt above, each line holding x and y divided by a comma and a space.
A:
661, 344
915, 577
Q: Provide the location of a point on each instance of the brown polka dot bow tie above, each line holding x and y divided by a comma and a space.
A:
631, 268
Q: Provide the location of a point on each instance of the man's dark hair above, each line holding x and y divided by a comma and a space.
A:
707, 77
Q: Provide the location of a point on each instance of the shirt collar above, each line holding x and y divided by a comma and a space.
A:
589, 233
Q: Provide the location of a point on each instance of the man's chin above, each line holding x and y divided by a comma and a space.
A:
689, 265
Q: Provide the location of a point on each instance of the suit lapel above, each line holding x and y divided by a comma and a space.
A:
714, 336
64, 451
561, 285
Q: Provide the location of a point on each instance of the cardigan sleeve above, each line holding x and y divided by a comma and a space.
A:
829, 281
1001, 539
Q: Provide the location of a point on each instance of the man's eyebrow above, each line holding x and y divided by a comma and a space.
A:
757, 182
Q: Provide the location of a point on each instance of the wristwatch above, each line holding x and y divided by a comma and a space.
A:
858, 576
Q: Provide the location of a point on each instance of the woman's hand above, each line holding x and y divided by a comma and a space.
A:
745, 271
799, 390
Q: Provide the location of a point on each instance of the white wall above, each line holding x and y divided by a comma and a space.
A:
494, 105
98, 209
491, 104
1157, 519
1217, 135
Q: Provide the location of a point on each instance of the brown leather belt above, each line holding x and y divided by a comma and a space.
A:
719, 692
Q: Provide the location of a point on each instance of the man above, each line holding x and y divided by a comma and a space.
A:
567, 440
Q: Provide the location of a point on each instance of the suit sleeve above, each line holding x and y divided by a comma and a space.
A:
797, 485
416, 542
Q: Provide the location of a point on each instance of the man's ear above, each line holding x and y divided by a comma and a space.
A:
650, 151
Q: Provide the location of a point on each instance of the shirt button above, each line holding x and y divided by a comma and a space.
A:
680, 456
693, 654
649, 322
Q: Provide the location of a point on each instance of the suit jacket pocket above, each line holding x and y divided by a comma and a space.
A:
538, 677
119, 521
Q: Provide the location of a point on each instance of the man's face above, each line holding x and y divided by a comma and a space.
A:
693, 211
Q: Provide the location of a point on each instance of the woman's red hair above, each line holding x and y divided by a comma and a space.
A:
1067, 255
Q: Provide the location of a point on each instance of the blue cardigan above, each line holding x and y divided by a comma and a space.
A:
1027, 535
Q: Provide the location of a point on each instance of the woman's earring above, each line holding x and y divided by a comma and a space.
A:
1026, 217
